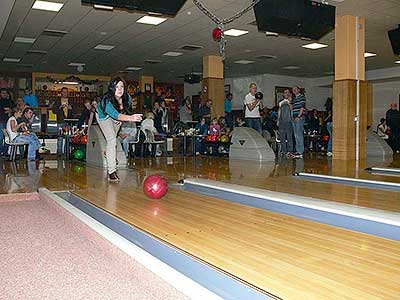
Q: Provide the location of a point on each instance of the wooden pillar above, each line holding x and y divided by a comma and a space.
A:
213, 83
349, 68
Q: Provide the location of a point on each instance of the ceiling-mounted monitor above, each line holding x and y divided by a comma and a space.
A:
163, 7
299, 18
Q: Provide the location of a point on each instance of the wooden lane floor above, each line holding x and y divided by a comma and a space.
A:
278, 177
60, 175
292, 258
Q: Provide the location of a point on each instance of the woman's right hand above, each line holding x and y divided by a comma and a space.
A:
136, 118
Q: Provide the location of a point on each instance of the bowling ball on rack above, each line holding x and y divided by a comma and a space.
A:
224, 138
84, 139
78, 154
155, 186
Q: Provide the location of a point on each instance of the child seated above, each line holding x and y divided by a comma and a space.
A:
215, 129
201, 129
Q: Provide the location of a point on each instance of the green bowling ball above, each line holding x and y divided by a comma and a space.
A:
78, 154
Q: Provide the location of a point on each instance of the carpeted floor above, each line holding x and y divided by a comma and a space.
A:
47, 254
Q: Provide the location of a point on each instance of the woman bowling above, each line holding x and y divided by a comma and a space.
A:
111, 111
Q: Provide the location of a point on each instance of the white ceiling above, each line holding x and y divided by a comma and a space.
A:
134, 43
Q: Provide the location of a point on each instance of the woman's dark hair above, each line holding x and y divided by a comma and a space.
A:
109, 96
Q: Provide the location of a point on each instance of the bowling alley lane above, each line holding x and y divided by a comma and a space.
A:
284, 256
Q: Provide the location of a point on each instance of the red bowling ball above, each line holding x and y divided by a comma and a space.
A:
155, 186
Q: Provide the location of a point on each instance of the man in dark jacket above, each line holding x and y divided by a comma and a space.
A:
393, 122
61, 108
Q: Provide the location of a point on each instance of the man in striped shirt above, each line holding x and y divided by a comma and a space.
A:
299, 105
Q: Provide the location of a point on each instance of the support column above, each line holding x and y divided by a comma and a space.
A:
212, 85
349, 138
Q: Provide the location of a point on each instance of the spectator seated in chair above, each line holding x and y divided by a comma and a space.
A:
127, 135
14, 131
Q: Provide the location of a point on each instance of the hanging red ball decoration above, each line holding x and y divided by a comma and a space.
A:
217, 34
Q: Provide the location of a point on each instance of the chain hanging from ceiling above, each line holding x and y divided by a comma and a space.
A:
222, 22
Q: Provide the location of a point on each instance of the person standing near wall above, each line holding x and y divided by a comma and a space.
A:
299, 105
228, 110
252, 109
285, 123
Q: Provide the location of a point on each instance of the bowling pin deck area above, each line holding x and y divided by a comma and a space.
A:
237, 250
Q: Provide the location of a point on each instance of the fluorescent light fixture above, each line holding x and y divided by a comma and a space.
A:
270, 33
397, 62
172, 53
244, 62
76, 64
19, 39
133, 68
9, 59
314, 46
291, 68
104, 47
105, 7
69, 82
368, 54
235, 32
151, 20
47, 5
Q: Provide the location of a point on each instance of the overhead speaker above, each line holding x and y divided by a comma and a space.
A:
394, 37
164, 7
299, 18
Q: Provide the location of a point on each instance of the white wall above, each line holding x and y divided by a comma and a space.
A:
384, 94
316, 96
266, 83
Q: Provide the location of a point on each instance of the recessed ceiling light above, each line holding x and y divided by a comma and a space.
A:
105, 7
244, 62
152, 61
235, 32
19, 39
9, 59
133, 68
53, 32
314, 46
397, 62
291, 68
76, 64
368, 54
172, 53
266, 56
151, 20
270, 33
40, 52
191, 47
47, 5
104, 47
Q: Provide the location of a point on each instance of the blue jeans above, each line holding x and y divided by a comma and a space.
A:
33, 144
228, 119
254, 123
60, 139
298, 129
125, 144
3, 146
329, 127
199, 146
